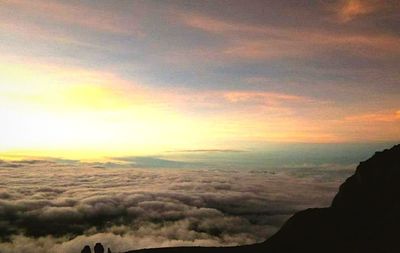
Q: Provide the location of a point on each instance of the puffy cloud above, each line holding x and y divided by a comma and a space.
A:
53, 206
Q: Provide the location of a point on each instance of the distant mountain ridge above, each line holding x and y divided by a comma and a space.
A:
364, 217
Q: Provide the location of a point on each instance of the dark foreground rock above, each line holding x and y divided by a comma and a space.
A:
364, 217
98, 248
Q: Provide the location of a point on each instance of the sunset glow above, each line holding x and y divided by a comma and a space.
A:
104, 85
210, 126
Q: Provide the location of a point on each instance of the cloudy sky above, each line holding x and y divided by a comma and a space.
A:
82, 79
162, 123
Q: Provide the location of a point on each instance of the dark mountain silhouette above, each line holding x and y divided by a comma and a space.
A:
364, 217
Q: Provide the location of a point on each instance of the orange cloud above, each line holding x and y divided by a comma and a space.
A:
351, 9
268, 42
244, 96
215, 25
364, 127
376, 117
262, 49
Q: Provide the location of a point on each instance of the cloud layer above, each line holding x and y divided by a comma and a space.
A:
58, 206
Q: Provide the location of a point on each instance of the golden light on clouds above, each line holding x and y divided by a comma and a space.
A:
53, 110
61, 111
143, 77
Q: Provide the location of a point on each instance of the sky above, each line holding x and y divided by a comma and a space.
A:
86, 79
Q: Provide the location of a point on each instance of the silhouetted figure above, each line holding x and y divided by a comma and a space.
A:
98, 248
86, 249
108, 250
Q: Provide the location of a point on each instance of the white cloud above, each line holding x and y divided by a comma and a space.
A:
49, 206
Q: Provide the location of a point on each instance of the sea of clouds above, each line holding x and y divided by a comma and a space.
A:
60, 206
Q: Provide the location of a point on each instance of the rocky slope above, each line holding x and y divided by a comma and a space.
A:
364, 217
